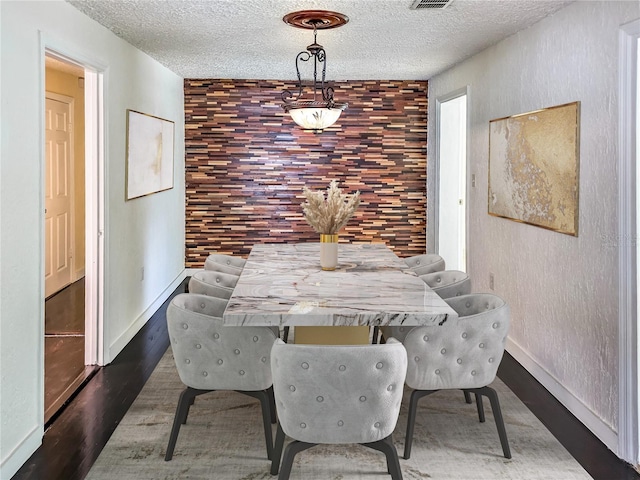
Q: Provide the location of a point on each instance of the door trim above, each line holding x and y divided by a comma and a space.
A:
433, 175
94, 196
628, 334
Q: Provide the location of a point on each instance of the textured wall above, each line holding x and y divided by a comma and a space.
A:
562, 289
247, 162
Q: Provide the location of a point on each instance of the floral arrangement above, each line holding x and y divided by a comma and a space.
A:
328, 216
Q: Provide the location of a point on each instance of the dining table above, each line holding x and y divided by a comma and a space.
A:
282, 284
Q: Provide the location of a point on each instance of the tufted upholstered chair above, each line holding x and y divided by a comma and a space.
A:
447, 284
213, 283
224, 263
464, 354
426, 263
210, 356
337, 394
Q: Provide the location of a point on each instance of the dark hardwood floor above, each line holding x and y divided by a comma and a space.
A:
64, 340
74, 440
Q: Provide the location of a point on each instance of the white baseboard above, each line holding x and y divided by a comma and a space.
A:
21, 453
116, 347
582, 412
190, 271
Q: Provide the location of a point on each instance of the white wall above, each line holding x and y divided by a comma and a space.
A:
145, 232
563, 290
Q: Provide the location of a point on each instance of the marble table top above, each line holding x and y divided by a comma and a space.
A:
283, 284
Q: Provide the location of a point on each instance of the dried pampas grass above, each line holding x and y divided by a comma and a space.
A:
328, 216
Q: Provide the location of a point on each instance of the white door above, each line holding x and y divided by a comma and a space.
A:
58, 195
452, 158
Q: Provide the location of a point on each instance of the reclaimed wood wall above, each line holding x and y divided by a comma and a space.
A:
247, 162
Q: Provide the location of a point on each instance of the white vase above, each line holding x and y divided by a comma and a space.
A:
328, 251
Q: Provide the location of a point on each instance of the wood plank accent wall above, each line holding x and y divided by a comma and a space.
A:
247, 162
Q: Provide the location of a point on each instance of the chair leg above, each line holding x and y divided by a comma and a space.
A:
182, 411
387, 447
497, 415
480, 407
277, 451
285, 334
376, 334
467, 396
265, 401
272, 404
290, 452
411, 419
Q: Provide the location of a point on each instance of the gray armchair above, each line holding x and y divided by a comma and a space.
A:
426, 263
212, 357
337, 394
213, 283
448, 283
224, 263
459, 355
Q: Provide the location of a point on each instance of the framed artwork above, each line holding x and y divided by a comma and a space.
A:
534, 168
149, 154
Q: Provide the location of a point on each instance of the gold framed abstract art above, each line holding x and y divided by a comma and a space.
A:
150, 143
534, 168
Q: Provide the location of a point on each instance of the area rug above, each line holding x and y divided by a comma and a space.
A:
223, 440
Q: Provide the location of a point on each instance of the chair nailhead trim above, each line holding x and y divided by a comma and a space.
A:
236, 351
473, 372
491, 360
305, 365
185, 326
255, 339
377, 424
320, 398
363, 398
340, 423
186, 360
481, 345
417, 359
241, 372
303, 425
342, 368
426, 338
443, 351
198, 345
390, 388
437, 371
220, 362
292, 388
495, 325
459, 361
379, 365
205, 374
202, 305
216, 335
464, 334
263, 359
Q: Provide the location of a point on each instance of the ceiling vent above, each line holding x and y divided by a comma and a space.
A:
431, 4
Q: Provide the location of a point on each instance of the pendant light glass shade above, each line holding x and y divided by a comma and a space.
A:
315, 119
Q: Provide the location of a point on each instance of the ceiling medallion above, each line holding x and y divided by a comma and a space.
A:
319, 110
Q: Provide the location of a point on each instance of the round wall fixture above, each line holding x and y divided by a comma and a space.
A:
315, 19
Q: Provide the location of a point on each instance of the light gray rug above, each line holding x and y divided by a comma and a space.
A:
223, 440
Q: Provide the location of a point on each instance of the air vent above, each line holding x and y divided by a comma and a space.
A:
432, 4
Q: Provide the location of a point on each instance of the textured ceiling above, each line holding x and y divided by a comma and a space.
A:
247, 39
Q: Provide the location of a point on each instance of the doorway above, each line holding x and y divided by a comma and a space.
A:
451, 118
70, 323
